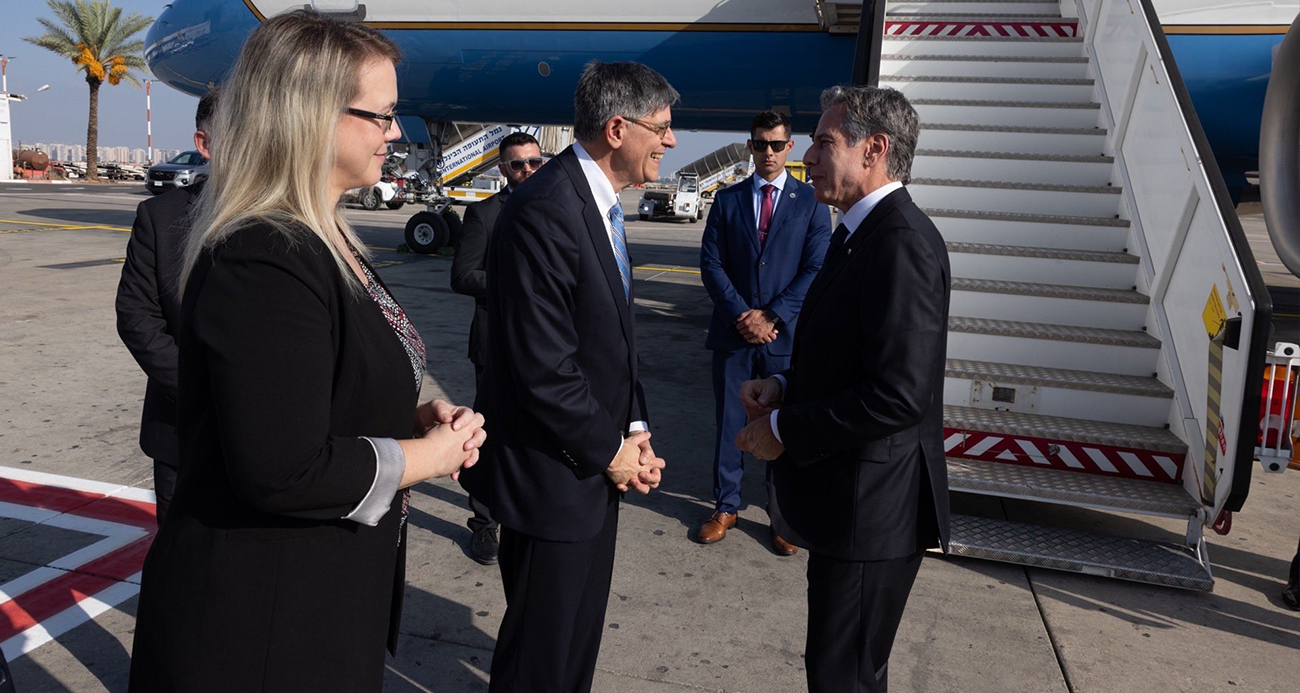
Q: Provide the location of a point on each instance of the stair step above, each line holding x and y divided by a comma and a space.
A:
1046, 253
1044, 67
1060, 378
1069, 393
1130, 352
1074, 114
990, 6
1013, 139
1035, 218
1159, 563
1022, 198
1070, 488
1019, 263
1010, 26
1015, 156
981, 17
1005, 89
1010, 167
1086, 431
1029, 229
1080, 306
1060, 333
894, 46
1077, 293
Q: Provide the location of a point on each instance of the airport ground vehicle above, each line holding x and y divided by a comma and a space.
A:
184, 169
386, 192
678, 201
1109, 324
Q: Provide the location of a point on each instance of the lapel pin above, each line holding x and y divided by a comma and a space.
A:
791, 196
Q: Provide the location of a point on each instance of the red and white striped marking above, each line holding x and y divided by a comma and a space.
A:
61, 595
1106, 460
1002, 29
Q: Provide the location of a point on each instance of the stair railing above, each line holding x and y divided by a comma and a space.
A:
866, 57
1209, 306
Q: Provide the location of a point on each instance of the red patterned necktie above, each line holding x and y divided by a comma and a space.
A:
765, 215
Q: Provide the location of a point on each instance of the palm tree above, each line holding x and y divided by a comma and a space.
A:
94, 35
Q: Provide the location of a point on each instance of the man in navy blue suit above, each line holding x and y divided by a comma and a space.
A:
763, 244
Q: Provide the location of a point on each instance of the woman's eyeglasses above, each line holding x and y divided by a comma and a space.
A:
383, 120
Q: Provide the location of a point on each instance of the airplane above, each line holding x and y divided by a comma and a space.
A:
518, 60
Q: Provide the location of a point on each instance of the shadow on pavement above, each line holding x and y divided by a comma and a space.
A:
73, 215
95, 647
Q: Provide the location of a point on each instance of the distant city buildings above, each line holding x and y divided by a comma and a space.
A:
107, 155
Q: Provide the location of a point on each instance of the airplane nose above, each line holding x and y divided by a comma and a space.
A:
193, 42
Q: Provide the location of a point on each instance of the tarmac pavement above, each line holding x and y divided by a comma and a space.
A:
682, 616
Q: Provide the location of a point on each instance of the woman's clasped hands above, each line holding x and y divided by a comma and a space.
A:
447, 440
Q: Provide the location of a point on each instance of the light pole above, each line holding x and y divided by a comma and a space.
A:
6, 137
148, 122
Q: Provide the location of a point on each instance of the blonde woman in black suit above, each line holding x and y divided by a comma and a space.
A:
281, 565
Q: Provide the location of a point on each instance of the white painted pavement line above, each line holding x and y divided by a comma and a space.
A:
85, 610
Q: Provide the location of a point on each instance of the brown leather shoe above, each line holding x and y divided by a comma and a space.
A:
715, 528
781, 546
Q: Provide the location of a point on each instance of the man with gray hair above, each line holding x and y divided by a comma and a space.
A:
856, 423
562, 371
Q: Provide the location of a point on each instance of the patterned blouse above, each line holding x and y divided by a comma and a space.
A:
410, 339
397, 319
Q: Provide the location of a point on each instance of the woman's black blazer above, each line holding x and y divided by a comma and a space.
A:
255, 583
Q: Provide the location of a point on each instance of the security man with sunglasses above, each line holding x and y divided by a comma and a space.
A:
764, 242
520, 157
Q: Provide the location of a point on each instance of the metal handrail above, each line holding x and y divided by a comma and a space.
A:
1262, 324
866, 57
1279, 151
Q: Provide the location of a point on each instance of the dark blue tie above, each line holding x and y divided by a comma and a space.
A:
620, 249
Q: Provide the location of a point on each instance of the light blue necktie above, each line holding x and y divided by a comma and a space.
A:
620, 249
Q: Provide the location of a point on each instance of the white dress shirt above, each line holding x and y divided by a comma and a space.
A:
601, 189
779, 182
851, 220
606, 197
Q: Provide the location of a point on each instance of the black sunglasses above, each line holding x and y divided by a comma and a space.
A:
518, 165
384, 120
774, 145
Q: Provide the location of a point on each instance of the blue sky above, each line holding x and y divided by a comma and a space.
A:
59, 114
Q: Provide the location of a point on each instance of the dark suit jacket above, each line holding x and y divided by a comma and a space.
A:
863, 477
255, 583
149, 311
469, 269
739, 275
561, 383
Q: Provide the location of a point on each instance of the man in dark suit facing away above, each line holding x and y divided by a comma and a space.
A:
520, 157
856, 424
763, 243
149, 311
562, 375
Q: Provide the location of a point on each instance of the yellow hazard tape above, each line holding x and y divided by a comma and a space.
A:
1214, 318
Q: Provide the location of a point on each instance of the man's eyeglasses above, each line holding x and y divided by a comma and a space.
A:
774, 145
383, 120
659, 129
534, 163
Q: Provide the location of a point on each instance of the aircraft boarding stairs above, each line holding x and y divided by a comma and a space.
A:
1062, 386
